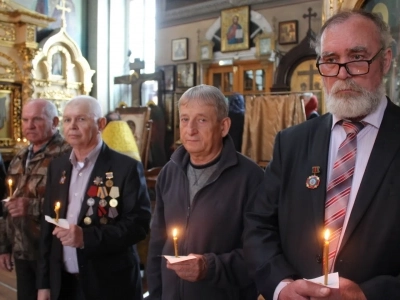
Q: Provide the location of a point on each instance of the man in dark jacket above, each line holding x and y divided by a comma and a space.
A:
202, 192
103, 196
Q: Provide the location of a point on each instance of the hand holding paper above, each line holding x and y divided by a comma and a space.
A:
304, 289
192, 269
333, 280
72, 237
61, 222
173, 259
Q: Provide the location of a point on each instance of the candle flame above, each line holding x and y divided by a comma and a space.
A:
327, 234
58, 204
10, 182
174, 232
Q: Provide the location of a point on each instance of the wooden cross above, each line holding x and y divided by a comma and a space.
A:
63, 9
311, 72
309, 16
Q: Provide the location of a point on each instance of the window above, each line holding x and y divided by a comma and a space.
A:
142, 32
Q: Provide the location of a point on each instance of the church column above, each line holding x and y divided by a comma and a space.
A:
27, 55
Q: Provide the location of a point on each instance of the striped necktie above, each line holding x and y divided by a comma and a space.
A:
338, 190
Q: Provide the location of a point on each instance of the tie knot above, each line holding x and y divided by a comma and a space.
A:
352, 127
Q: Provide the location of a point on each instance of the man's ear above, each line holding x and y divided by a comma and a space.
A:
387, 60
56, 121
225, 125
101, 122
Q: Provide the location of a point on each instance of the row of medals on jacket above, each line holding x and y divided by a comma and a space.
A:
102, 193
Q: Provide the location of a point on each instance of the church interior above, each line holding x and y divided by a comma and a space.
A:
58, 49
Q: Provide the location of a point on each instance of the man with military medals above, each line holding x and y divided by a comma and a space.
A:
104, 198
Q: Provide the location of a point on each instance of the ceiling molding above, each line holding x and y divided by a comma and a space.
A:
209, 10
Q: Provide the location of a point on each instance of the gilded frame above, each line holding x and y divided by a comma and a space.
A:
205, 51
235, 24
265, 44
11, 129
137, 118
288, 32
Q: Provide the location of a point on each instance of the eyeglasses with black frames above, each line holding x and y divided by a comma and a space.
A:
354, 68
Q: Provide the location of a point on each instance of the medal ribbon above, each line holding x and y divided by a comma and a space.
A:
89, 212
101, 211
102, 192
112, 212
92, 191
114, 192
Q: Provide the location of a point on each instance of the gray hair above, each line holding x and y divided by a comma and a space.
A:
94, 105
208, 95
382, 28
49, 108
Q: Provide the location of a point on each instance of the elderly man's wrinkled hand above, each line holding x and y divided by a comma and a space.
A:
191, 270
18, 207
72, 237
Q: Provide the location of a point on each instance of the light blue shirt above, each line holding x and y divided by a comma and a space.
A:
80, 176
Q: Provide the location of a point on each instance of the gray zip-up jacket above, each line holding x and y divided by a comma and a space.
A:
212, 226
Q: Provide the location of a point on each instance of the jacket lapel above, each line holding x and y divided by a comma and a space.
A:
386, 145
318, 150
100, 168
64, 179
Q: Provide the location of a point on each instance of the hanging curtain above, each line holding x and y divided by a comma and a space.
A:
265, 116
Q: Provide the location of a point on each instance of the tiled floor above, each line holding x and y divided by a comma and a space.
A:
8, 285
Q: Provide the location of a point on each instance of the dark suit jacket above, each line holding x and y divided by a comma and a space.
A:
108, 263
284, 228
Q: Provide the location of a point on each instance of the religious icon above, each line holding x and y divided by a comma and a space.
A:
235, 29
179, 49
288, 32
57, 64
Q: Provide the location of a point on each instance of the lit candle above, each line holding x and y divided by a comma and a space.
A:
57, 209
10, 183
326, 256
174, 234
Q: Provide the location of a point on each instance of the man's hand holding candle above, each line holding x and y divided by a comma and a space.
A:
191, 270
18, 207
72, 237
303, 289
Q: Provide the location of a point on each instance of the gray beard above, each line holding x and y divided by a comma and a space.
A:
351, 107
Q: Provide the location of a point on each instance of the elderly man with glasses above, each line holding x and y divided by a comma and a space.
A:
337, 173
